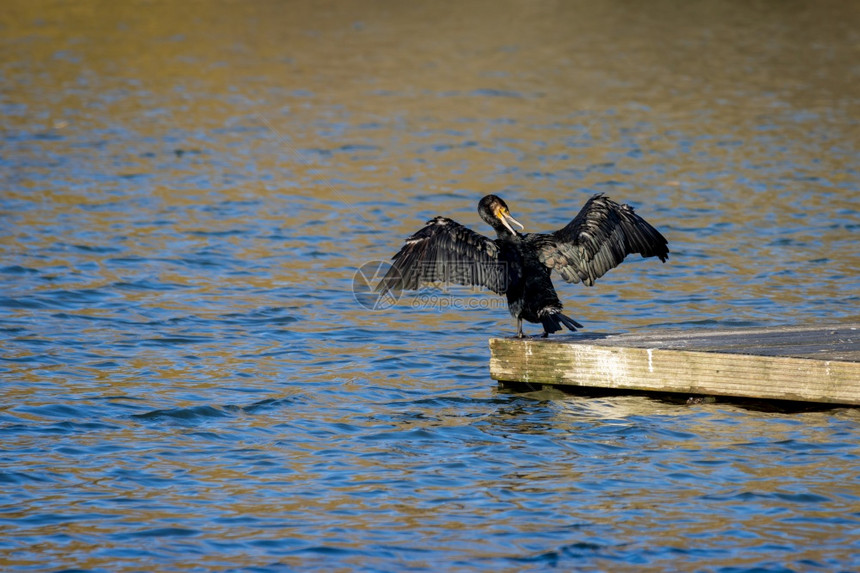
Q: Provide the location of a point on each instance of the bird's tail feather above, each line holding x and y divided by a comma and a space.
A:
552, 322
569, 322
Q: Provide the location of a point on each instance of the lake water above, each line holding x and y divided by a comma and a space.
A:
187, 190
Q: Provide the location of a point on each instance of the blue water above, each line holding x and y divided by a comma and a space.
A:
188, 382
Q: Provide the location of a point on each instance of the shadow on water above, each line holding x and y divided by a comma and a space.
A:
544, 392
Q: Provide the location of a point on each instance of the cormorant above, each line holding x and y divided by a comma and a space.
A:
518, 264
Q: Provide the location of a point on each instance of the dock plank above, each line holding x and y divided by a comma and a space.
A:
803, 363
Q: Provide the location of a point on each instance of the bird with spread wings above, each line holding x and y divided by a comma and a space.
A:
518, 265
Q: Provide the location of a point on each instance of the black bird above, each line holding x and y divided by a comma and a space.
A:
518, 264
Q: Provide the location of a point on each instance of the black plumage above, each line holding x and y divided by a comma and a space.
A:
518, 265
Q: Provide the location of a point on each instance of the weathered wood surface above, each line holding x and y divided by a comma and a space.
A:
811, 364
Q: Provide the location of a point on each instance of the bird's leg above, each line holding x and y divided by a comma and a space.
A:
545, 334
519, 328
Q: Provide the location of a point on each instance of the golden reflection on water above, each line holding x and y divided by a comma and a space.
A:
572, 55
705, 116
542, 101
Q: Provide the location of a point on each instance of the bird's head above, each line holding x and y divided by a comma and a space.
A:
496, 214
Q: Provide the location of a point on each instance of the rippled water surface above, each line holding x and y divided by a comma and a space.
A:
188, 189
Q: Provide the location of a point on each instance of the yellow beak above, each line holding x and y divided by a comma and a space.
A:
504, 216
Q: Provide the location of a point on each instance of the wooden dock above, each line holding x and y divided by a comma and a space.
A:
799, 363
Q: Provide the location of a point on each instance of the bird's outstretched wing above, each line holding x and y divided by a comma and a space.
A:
598, 239
446, 252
